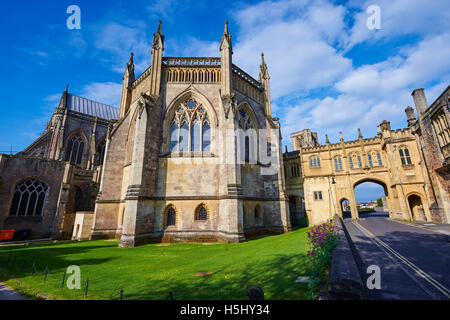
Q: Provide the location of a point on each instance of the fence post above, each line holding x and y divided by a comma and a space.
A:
64, 277
170, 295
46, 272
33, 269
121, 293
9, 255
86, 289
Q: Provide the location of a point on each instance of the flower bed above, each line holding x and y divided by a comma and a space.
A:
322, 239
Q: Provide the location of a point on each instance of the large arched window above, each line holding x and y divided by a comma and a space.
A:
404, 156
171, 216
75, 148
29, 197
314, 162
190, 128
250, 140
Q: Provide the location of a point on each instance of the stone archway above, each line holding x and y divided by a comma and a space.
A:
345, 208
353, 206
417, 210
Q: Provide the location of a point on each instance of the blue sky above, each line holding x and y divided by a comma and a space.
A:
329, 72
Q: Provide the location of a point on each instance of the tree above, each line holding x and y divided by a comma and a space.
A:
379, 203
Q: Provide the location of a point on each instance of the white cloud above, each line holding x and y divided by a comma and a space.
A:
401, 17
105, 92
117, 41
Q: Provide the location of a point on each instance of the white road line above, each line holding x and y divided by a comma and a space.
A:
417, 270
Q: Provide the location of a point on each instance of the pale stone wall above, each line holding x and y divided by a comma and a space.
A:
432, 133
15, 169
400, 181
82, 225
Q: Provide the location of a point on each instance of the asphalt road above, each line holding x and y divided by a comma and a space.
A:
8, 294
414, 263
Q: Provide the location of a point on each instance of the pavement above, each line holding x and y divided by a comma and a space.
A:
413, 261
8, 294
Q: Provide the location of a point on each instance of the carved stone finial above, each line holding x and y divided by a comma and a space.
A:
159, 26
359, 133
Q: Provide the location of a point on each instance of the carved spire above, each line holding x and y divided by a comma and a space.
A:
326, 139
341, 137
359, 134
226, 37
226, 63
263, 71
158, 38
128, 79
155, 71
264, 80
63, 100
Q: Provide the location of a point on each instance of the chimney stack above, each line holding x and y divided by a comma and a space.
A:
385, 125
420, 101
411, 117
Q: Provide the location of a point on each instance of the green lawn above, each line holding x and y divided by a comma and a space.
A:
152, 271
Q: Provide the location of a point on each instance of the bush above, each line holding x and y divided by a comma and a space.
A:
322, 238
303, 222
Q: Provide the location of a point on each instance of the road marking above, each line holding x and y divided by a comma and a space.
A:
418, 271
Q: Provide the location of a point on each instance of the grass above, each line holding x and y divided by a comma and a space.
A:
152, 271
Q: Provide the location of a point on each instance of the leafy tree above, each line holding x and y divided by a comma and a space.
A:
379, 203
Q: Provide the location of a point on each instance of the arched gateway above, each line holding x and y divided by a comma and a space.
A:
332, 171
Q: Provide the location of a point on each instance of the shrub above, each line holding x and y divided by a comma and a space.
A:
322, 238
303, 222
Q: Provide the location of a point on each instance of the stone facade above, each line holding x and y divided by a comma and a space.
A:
62, 166
432, 132
162, 182
332, 171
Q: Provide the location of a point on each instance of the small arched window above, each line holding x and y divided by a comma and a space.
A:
350, 162
258, 215
314, 162
404, 156
369, 157
201, 213
338, 163
295, 171
359, 161
171, 216
75, 148
101, 152
380, 162
29, 197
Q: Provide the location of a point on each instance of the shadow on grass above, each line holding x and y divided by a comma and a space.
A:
18, 261
277, 279
150, 272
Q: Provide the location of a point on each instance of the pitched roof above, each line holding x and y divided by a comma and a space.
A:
92, 108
